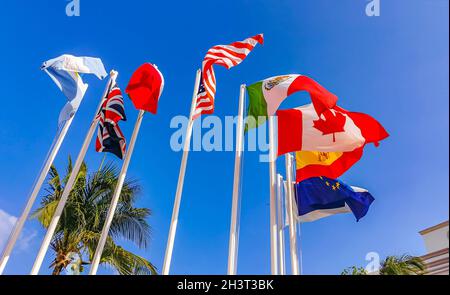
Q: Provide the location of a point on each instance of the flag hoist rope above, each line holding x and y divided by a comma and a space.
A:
234, 226
291, 214
116, 196
273, 210
68, 188
15, 234
176, 205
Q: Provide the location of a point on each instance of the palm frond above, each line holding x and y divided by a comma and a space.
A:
402, 265
130, 224
82, 220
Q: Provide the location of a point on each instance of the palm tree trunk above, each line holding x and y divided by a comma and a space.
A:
57, 270
61, 262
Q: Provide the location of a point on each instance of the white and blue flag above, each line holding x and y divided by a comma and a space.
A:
65, 71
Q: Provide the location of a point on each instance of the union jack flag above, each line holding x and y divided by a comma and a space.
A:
224, 55
109, 136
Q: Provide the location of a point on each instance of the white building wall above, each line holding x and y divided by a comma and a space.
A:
436, 238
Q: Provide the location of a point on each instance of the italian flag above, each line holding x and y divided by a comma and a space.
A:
266, 96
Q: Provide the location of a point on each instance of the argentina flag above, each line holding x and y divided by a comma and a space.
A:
65, 71
320, 197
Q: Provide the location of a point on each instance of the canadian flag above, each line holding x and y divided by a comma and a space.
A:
335, 130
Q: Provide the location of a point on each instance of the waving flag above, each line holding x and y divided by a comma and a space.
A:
65, 71
329, 164
336, 130
224, 55
266, 96
326, 145
321, 197
109, 136
145, 88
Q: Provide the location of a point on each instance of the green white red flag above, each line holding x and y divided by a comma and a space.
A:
267, 95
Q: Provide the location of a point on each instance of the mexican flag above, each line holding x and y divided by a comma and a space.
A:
266, 96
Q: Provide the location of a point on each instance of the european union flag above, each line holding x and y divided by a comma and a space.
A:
320, 197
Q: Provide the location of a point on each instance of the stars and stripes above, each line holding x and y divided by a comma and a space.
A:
109, 136
224, 55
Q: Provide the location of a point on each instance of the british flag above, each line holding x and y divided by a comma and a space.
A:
109, 136
224, 55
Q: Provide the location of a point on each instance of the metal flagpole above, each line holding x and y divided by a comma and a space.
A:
176, 205
299, 247
292, 223
280, 208
295, 208
68, 188
273, 210
116, 196
234, 227
37, 187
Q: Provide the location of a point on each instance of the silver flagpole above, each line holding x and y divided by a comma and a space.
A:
68, 188
299, 245
280, 208
273, 209
292, 223
116, 196
234, 227
295, 211
15, 234
176, 205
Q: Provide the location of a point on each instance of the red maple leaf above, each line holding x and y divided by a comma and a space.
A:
330, 122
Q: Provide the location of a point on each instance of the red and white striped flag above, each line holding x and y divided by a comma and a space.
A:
224, 55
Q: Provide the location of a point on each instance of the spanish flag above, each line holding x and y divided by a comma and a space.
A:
328, 164
326, 145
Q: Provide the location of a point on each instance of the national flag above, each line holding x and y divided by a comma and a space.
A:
65, 71
145, 88
320, 153
321, 197
224, 55
336, 130
109, 136
266, 96
330, 164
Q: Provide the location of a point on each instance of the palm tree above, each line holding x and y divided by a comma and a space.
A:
81, 223
354, 271
402, 265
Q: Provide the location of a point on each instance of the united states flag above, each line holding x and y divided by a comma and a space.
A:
224, 55
109, 136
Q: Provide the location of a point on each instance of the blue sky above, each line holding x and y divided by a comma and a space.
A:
393, 67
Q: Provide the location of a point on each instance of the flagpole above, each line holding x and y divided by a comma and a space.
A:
234, 227
15, 234
273, 211
292, 224
68, 188
116, 196
176, 205
281, 258
299, 247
